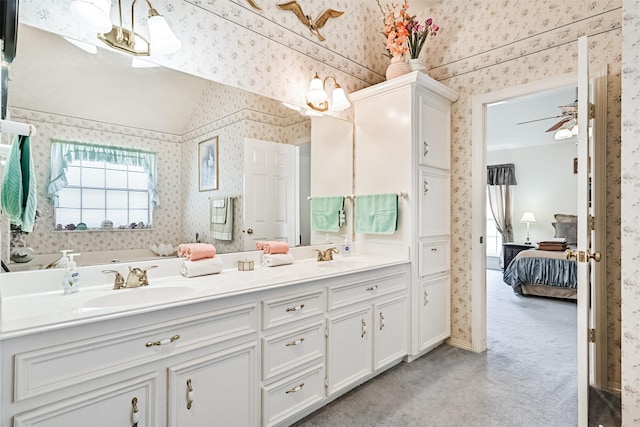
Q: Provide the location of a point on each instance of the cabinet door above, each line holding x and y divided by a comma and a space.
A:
349, 348
391, 329
434, 209
122, 404
435, 321
219, 389
434, 137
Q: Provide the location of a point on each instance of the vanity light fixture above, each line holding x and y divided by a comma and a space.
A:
317, 98
95, 15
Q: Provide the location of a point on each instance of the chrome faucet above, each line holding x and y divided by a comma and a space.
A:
326, 255
137, 277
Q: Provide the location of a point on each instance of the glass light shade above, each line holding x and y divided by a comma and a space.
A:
87, 47
528, 217
340, 101
162, 39
574, 130
316, 94
93, 14
563, 133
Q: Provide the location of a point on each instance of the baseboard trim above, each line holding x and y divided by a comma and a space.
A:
465, 345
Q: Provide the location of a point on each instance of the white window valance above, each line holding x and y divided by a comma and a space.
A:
63, 152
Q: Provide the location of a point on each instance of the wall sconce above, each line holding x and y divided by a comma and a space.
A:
317, 98
528, 218
96, 15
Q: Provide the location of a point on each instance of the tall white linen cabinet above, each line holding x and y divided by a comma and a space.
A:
403, 145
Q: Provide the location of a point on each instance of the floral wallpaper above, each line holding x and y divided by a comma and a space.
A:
631, 217
511, 43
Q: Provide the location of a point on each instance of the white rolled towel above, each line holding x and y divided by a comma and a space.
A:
201, 267
273, 260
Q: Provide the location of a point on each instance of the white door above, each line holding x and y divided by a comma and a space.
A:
269, 192
585, 253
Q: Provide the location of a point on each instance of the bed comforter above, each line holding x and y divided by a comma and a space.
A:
548, 268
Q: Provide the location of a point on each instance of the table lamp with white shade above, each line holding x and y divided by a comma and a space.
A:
528, 218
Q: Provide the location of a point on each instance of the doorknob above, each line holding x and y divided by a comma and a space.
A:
249, 230
596, 256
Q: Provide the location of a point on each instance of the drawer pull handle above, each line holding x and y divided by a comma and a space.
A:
426, 149
296, 308
295, 389
426, 297
434, 249
296, 342
364, 329
162, 342
372, 288
189, 394
134, 414
425, 187
381, 321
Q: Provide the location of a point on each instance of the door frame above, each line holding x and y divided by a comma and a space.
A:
479, 165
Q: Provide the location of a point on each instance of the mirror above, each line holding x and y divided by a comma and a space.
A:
69, 94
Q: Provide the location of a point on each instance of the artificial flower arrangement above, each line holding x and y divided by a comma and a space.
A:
405, 34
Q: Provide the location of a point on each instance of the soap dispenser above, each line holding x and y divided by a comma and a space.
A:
63, 260
346, 249
71, 278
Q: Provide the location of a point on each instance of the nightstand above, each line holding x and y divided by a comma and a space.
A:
510, 250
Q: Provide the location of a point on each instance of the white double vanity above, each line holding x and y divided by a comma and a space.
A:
249, 348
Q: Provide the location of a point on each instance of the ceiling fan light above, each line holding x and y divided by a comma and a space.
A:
93, 14
563, 133
162, 39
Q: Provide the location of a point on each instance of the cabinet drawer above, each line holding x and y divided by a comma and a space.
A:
54, 367
280, 311
434, 257
343, 295
291, 395
283, 352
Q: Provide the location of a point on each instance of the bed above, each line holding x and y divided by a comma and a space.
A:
543, 273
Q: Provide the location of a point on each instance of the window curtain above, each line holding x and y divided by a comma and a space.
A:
63, 152
500, 178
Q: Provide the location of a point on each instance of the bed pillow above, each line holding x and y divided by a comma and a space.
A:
567, 230
566, 218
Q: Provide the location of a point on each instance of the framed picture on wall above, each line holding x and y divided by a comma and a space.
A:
208, 164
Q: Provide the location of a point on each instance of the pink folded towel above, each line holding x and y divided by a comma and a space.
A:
260, 245
195, 251
275, 247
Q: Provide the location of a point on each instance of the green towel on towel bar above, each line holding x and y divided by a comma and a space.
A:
221, 229
376, 214
326, 213
19, 197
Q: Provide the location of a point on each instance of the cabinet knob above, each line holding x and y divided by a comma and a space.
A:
364, 329
425, 148
162, 342
296, 308
296, 342
295, 389
372, 288
135, 417
189, 394
426, 297
381, 321
425, 187
434, 249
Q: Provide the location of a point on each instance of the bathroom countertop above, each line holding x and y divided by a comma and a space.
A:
23, 314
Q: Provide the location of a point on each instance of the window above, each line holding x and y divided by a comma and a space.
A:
92, 183
494, 237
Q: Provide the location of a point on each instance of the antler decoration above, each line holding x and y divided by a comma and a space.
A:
313, 25
254, 5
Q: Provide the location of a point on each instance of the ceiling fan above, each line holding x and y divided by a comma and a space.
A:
568, 117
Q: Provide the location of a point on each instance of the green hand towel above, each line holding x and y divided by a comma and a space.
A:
376, 214
325, 213
19, 198
224, 230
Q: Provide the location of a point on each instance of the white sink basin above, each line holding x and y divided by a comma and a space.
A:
343, 263
142, 295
